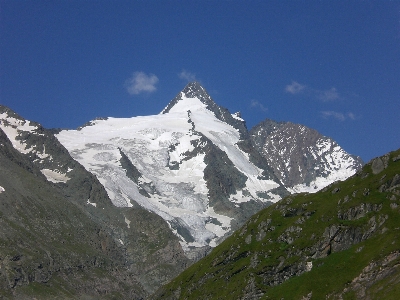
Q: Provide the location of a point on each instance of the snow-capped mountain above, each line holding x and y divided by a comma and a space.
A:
185, 164
195, 164
302, 158
150, 194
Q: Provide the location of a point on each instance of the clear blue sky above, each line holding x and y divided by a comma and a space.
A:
331, 65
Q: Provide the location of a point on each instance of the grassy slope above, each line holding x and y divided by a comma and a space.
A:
266, 259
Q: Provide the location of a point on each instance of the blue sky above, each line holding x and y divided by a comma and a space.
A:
331, 65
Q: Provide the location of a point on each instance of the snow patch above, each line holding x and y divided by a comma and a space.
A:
127, 222
55, 176
91, 203
236, 116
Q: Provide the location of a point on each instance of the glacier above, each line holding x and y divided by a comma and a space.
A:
161, 148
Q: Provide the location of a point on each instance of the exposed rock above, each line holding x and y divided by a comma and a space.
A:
372, 273
248, 239
379, 164
359, 211
299, 155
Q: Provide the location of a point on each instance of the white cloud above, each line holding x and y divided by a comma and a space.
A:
351, 116
141, 82
323, 95
327, 95
187, 76
338, 115
256, 104
295, 88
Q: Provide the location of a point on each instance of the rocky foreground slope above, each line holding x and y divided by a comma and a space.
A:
340, 243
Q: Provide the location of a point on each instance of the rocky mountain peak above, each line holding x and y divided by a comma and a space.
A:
159, 191
196, 90
192, 90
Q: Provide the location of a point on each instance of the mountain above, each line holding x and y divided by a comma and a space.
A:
123, 205
194, 165
302, 158
342, 242
60, 234
191, 164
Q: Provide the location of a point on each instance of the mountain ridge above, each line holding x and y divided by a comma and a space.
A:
300, 156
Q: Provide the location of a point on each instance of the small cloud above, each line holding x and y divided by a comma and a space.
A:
256, 104
334, 114
323, 95
295, 88
338, 115
328, 95
141, 82
351, 116
187, 76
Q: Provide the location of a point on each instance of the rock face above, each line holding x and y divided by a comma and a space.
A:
57, 223
303, 159
348, 231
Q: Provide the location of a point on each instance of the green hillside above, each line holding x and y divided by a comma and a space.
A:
340, 243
